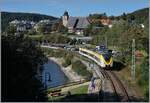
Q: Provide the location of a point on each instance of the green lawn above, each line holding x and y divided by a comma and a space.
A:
55, 98
35, 36
80, 90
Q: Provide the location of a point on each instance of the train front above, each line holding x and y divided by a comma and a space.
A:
105, 57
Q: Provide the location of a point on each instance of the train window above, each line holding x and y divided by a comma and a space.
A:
106, 56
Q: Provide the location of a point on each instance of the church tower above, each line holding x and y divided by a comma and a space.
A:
65, 18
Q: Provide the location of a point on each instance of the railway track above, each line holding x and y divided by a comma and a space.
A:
119, 90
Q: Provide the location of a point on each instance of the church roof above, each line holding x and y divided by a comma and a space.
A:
78, 22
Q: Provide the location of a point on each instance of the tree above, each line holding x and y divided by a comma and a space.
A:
41, 28
132, 17
56, 38
88, 30
124, 16
11, 30
55, 26
62, 28
97, 16
112, 17
67, 61
73, 41
32, 32
20, 61
144, 80
80, 69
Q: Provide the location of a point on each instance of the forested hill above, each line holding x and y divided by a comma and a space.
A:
140, 16
9, 16
142, 13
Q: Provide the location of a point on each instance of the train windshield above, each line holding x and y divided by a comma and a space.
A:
105, 52
107, 56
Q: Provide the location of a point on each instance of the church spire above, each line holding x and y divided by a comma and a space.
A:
66, 13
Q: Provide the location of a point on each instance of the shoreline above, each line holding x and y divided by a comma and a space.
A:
70, 74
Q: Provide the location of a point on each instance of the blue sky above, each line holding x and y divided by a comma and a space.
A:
74, 7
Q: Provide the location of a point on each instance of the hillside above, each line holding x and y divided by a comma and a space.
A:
9, 16
140, 16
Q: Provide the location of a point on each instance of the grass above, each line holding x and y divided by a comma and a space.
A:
36, 36
57, 98
125, 74
80, 90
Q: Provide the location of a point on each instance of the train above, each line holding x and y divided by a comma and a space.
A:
102, 58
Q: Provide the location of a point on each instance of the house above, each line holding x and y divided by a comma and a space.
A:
105, 21
21, 28
75, 24
46, 23
22, 25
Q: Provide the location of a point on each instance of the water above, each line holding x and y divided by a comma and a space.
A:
57, 76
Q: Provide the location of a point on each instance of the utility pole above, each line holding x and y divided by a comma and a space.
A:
133, 60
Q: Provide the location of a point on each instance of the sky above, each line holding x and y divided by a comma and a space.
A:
74, 7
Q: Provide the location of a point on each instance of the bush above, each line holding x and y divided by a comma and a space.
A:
54, 53
144, 80
32, 32
21, 60
71, 34
80, 69
67, 61
56, 38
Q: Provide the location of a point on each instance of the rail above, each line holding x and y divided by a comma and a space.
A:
113, 79
109, 75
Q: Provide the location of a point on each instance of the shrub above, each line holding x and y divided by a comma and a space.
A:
80, 69
54, 53
144, 80
67, 61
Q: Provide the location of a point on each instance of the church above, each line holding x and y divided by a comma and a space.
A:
75, 24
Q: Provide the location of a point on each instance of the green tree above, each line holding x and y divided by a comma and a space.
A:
20, 61
68, 59
112, 17
144, 80
55, 26
88, 30
11, 30
41, 28
32, 32
62, 28
80, 69
124, 16
56, 38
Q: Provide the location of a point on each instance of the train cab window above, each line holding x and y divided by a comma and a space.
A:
106, 56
